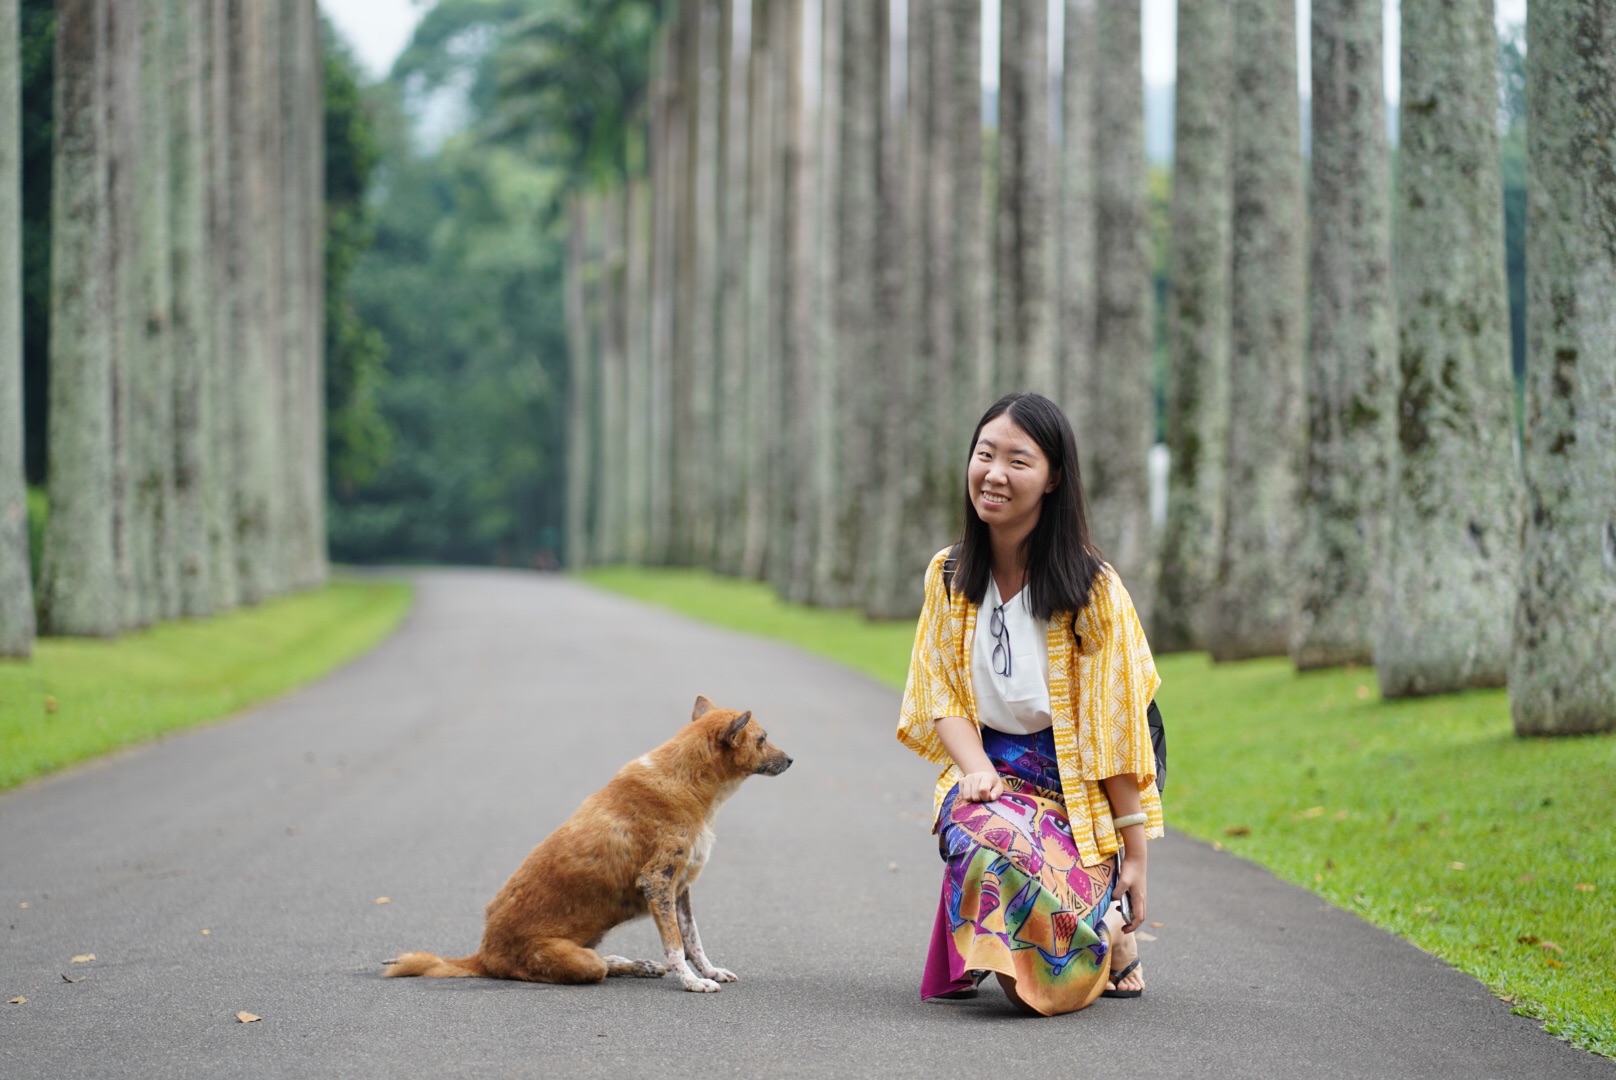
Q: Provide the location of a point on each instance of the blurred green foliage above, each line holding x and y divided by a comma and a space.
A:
463, 280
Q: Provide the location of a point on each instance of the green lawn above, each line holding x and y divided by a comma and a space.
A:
1429, 818
77, 698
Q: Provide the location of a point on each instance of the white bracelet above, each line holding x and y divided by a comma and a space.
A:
1130, 819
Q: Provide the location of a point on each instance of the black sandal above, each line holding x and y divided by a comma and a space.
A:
1116, 977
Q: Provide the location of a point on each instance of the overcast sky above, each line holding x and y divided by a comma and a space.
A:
379, 30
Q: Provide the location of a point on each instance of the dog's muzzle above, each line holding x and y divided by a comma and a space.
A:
775, 766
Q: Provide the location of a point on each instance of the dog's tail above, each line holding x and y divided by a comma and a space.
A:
435, 967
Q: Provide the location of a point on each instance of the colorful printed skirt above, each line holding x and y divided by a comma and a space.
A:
1016, 898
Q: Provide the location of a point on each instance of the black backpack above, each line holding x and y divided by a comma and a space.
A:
1153, 716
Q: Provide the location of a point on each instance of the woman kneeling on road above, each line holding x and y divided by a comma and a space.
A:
1030, 682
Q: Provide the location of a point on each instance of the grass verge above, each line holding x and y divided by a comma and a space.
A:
1428, 818
78, 697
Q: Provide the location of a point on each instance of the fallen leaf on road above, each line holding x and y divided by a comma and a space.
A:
1158, 925
248, 1018
893, 867
384, 900
84, 958
17, 1001
205, 933
72, 978
1237, 830
23, 904
1143, 936
1584, 886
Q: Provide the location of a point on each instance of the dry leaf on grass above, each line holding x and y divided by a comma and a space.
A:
1237, 830
84, 958
248, 1018
17, 1001
1456, 866
1549, 946
50, 703
1527, 939
1585, 886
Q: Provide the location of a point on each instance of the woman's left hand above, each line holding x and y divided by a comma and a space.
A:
1131, 883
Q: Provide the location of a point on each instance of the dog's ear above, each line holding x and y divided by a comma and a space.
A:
703, 706
732, 734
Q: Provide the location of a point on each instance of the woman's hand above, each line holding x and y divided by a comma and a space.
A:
1131, 883
981, 786
979, 781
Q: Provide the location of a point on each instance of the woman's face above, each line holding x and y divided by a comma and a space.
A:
1008, 477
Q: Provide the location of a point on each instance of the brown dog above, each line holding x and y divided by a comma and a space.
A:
633, 848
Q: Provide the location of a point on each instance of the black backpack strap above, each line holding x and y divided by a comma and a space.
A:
1158, 743
950, 565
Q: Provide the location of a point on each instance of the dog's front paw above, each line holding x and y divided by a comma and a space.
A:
718, 974
698, 985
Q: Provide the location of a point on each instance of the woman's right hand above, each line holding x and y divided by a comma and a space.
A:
981, 786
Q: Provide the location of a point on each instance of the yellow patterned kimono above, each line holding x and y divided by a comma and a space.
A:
1101, 681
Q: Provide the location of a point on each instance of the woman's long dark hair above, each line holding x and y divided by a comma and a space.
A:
1062, 562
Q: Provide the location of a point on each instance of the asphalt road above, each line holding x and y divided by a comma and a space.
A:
239, 868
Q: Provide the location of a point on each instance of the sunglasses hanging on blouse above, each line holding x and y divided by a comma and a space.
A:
1001, 642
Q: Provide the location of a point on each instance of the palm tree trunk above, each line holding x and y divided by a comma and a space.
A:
316, 564
1352, 343
192, 418
1025, 335
124, 144
1267, 324
1198, 328
222, 342
856, 371
611, 373
151, 375
580, 388
1121, 425
78, 584
637, 388
777, 508
751, 375
1455, 520
729, 329
666, 147
892, 475
974, 361
16, 587
275, 368
1562, 674
1077, 267
940, 217
795, 568
254, 401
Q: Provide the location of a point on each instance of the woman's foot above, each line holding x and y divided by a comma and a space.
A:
1127, 978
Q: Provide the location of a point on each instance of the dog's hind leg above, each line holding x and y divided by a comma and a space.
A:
621, 966
557, 960
693, 949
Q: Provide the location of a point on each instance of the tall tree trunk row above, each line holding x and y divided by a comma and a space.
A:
186, 436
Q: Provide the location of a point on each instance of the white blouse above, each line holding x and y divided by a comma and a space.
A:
1017, 703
